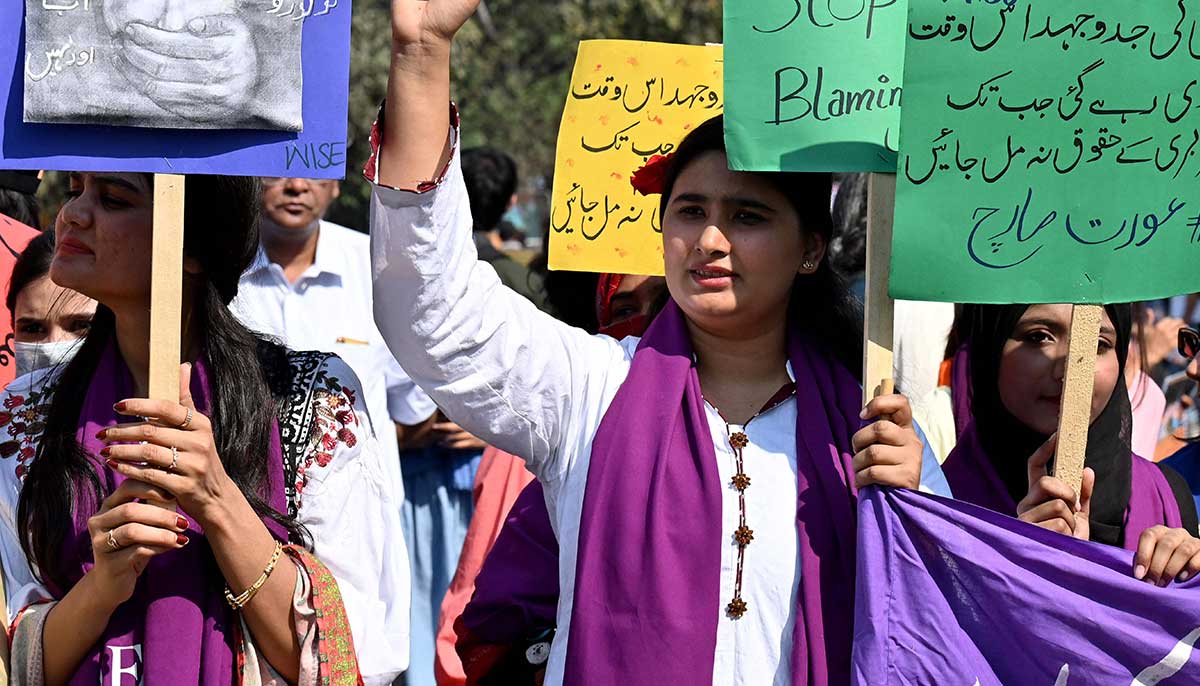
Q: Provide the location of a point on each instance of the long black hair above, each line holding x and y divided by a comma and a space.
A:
821, 305
221, 234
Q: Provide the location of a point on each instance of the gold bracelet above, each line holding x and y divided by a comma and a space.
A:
240, 601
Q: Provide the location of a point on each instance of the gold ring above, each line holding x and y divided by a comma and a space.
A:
112, 542
191, 414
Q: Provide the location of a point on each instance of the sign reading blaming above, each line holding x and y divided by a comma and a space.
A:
814, 85
1050, 152
253, 87
629, 101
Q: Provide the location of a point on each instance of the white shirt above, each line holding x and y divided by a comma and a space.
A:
347, 504
329, 309
537, 388
920, 342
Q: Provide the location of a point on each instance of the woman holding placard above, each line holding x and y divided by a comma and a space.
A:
1006, 399
701, 481
177, 542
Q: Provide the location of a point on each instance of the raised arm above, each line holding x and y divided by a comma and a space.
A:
416, 135
492, 362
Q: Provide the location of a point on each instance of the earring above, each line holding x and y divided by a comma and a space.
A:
808, 266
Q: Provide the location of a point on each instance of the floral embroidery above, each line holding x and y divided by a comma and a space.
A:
337, 663
334, 422
25, 421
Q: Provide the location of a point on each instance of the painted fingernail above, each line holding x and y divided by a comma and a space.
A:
120, 406
181, 523
100, 434
1139, 572
105, 451
181, 539
1184, 576
112, 464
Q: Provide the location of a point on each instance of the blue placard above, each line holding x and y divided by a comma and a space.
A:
317, 151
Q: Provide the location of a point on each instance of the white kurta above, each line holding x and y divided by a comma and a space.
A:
346, 504
537, 388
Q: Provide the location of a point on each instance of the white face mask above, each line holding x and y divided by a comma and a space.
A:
34, 356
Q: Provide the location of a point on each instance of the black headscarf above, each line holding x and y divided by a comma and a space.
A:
1009, 443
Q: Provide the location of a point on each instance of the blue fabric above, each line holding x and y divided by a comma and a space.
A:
932, 477
953, 594
438, 506
1187, 463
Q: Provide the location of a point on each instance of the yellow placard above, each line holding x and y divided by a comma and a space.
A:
629, 101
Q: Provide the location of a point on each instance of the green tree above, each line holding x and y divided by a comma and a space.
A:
512, 69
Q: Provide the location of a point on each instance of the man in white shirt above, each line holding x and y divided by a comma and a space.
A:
310, 287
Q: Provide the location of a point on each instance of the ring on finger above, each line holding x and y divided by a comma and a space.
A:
191, 414
174, 460
112, 541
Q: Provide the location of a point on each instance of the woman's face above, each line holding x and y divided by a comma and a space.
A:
46, 313
635, 297
1033, 365
102, 237
732, 247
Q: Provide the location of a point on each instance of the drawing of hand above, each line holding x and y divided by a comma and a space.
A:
204, 71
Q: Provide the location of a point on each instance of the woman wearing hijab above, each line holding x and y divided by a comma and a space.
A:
1008, 391
667, 461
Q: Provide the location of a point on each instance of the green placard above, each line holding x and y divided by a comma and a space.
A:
813, 85
1049, 152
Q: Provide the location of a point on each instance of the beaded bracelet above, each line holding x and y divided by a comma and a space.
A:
240, 601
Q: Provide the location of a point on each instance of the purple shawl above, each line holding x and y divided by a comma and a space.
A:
647, 584
973, 479
516, 591
178, 614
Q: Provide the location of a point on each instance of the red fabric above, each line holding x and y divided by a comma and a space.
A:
376, 141
14, 236
500, 479
946, 372
606, 290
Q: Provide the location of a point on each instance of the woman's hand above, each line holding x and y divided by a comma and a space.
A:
1164, 555
429, 22
888, 452
127, 533
174, 450
1051, 503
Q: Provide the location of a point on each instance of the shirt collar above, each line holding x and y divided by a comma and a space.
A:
328, 260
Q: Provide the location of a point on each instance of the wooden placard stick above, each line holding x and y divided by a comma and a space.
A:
1075, 417
166, 287
879, 310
